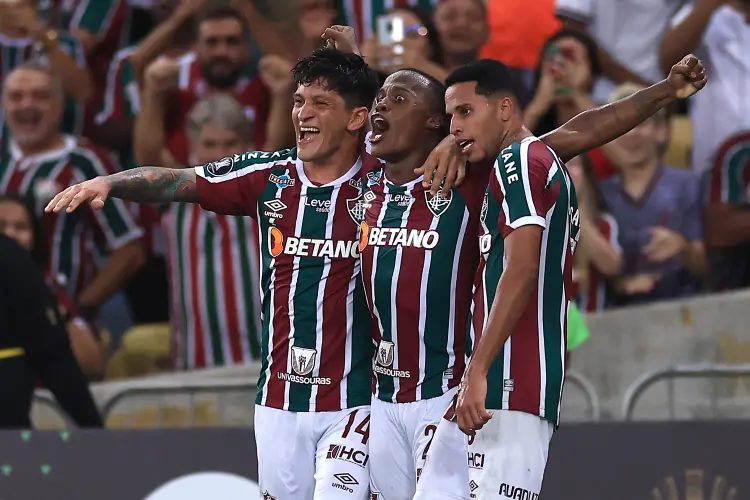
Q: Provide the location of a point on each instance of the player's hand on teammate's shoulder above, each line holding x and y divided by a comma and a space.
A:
94, 191
342, 38
471, 412
445, 167
687, 77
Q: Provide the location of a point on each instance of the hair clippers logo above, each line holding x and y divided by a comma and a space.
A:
696, 487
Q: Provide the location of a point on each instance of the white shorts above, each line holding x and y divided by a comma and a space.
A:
507, 458
313, 455
401, 434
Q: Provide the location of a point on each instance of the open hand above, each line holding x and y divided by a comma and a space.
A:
687, 77
444, 168
470, 407
94, 191
664, 244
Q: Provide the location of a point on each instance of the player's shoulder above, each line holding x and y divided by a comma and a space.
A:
529, 153
248, 163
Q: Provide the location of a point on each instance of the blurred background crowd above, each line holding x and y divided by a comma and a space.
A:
91, 87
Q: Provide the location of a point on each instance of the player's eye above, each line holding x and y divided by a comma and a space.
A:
400, 98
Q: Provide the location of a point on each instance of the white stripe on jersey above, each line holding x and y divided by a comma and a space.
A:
375, 252
450, 346
423, 312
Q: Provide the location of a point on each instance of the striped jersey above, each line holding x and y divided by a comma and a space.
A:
78, 240
593, 294
16, 51
213, 268
362, 15
316, 348
250, 93
419, 257
529, 186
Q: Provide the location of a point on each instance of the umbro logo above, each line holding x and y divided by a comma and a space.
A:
275, 206
346, 478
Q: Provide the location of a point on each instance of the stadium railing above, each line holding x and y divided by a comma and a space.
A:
589, 393
670, 374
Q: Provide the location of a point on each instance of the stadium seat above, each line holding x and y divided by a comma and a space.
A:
680, 143
145, 350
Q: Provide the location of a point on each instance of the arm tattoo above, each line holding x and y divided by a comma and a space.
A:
155, 185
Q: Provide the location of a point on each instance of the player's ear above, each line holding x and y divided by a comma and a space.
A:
505, 107
358, 119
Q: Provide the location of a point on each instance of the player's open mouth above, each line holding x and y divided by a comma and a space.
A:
465, 145
307, 134
379, 127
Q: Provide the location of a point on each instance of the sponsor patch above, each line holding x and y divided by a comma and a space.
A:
221, 167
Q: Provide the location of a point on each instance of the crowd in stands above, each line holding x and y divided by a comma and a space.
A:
91, 87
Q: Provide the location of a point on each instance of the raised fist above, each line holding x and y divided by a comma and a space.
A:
687, 76
275, 72
162, 75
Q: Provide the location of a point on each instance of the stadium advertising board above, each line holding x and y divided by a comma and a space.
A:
657, 461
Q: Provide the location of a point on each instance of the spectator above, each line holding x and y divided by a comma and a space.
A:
314, 17
226, 331
38, 161
517, 40
658, 211
17, 221
362, 15
23, 37
627, 33
598, 256
216, 66
35, 345
420, 49
719, 33
462, 30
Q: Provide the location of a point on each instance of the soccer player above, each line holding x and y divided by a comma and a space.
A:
529, 229
312, 407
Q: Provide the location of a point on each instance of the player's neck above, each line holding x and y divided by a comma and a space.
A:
333, 167
401, 171
514, 134
50, 144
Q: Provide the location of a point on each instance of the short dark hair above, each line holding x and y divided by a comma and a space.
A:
492, 78
214, 12
341, 72
39, 251
435, 97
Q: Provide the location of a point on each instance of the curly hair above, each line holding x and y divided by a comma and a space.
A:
340, 72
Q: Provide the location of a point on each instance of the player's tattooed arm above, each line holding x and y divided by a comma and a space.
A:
154, 185
142, 185
599, 126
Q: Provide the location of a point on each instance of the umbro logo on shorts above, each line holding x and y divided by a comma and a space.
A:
344, 481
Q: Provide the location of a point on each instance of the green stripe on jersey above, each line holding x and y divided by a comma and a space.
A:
438, 324
359, 381
214, 324
247, 283
182, 211
308, 278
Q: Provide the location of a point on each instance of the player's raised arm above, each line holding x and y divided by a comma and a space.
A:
598, 126
141, 185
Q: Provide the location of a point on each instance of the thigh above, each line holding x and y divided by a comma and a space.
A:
509, 455
423, 424
286, 454
392, 473
342, 461
445, 475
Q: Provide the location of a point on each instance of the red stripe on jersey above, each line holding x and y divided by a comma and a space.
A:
281, 287
335, 314
524, 349
407, 318
200, 347
230, 293
716, 176
479, 312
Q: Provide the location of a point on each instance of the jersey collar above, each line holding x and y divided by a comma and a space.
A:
69, 143
344, 178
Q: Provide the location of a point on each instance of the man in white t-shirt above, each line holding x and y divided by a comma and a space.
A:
628, 33
718, 31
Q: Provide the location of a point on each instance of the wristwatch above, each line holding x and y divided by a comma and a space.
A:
49, 40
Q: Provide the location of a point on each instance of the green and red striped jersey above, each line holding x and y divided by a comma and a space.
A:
316, 348
419, 257
77, 240
529, 186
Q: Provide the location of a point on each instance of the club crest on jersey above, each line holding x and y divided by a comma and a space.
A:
439, 202
303, 360
356, 209
385, 353
221, 167
374, 178
485, 207
282, 181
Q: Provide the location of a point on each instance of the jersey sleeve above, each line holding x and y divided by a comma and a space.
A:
577, 10
520, 173
121, 99
114, 221
728, 180
95, 16
232, 185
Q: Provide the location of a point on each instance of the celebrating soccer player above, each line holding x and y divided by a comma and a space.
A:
529, 229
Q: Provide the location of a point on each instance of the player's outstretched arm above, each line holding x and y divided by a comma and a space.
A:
142, 185
598, 126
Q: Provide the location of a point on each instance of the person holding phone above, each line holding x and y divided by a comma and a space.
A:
405, 38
